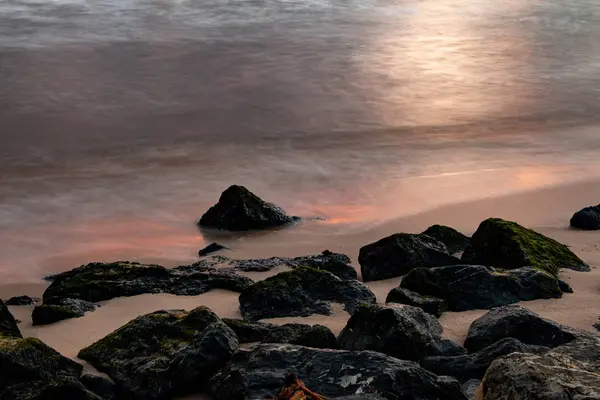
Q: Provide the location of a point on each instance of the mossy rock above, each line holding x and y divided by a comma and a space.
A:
300, 293
453, 239
8, 324
103, 281
508, 245
164, 353
65, 309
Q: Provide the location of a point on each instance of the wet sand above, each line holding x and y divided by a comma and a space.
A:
546, 210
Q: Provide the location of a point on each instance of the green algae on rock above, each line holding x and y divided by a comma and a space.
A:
508, 245
300, 293
164, 353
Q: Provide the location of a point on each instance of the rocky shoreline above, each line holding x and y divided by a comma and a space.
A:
385, 351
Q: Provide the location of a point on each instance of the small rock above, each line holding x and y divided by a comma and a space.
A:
211, 248
59, 310
474, 365
587, 218
398, 254
239, 209
8, 324
20, 301
429, 304
597, 324
399, 331
453, 239
444, 347
564, 286
470, 388
516, 322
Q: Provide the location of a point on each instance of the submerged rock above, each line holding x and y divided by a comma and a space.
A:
164, 353
63, 309
474, 365
444, 347
399, 331
470, 287
587, 218
8, 324
508, 245
429, 304
317, 336
211, 248
258, 373
300, 293
20, 301
398, 254
103, 281
453, 239
516, 322
239, 209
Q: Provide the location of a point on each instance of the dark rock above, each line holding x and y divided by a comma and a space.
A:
60, 388
597, 324
164, 353
300, 293
101, 386
257, 373
474, 365
20, 301
63, 309
585, 348
211, 248
551, 376
470, 287
239, 209
564, 286
27, 366
470, 388
99, 281
516, 322
8, 324
453, 239
398, 254
444, 347
429, 304
587, 219
508, 245
337, 264
399, 331
317, 336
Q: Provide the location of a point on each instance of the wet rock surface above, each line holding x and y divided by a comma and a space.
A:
429, 304
587, 218
453, 239
21, 301
8, 324
62, 309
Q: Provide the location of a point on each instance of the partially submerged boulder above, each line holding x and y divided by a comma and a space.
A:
474, 365
103, 281
21, 301
8, 324
444, 347
254, 374
317, 336
164, 353
239, 209
516, 322
398, 254
429, 304
587, 218
211, 248
400, 331
508, 245
63, 309
470, 287
300, 293
453, 239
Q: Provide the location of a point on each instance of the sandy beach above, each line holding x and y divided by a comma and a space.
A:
546, 210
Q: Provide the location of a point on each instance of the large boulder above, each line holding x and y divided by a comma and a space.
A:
474, 365
470, 287
516, 322
254, 374
551, 376
103, 281
317, 336
429, 304
587, 219
8, 324
164, 353
399, 331
453, 239
239, 209
300, 293
64, 309
508, 245
28, 366
398, 254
